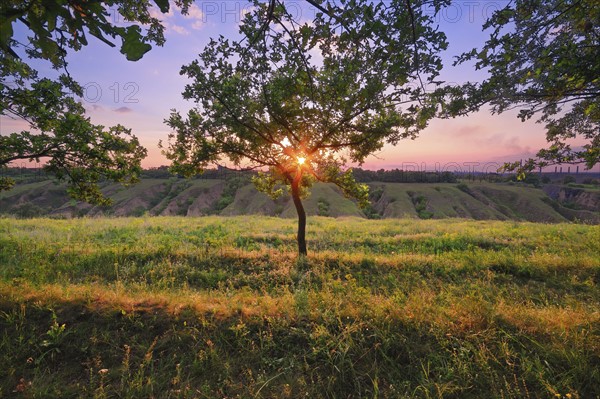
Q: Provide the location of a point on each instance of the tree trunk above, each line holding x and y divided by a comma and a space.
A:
301, 238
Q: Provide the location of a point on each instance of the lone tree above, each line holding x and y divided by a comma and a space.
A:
299, 102
59, 131
544, 59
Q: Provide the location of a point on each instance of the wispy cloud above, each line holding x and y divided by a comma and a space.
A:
197, 16
156, 13
513, 145
123, 110
92, 107
194, 12
168, 19
177, 29
469, 131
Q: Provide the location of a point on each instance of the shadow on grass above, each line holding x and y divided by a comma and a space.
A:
94, 348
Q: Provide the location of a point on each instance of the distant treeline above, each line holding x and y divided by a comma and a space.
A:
30, 175
403, 176
25, 175
361, 175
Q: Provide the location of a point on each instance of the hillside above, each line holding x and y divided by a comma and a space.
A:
236, 196
213, 307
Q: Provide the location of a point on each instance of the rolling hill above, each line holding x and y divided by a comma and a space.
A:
237, 196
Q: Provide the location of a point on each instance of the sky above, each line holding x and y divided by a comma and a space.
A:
140, 95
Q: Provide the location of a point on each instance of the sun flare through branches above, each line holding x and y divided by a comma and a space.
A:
299, 101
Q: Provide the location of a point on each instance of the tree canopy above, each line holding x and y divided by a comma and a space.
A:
57, 26
59, 131
299, 101
543, 58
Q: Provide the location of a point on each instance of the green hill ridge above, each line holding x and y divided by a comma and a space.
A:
237, 196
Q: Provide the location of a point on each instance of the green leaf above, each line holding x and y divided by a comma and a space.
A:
50, 49
6, 31
163, 5
134, 46
6, 183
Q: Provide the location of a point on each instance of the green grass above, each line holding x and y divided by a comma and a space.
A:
220, 307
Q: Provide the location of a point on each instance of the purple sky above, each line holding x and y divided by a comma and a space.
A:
141, 94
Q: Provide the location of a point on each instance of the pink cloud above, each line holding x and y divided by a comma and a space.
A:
123, 110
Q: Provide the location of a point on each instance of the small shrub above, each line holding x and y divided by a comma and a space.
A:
138, 211
323, 207
464, 188
420, 203
371, 213
376, 193
231, 187
425, 214
28, 210
534, 180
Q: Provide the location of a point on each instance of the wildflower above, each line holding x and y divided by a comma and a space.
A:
102, 371
23, 385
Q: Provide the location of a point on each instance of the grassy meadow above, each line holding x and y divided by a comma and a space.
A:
220, 307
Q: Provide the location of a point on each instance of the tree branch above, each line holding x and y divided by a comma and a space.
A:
42, 154
414, 36
236, 118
